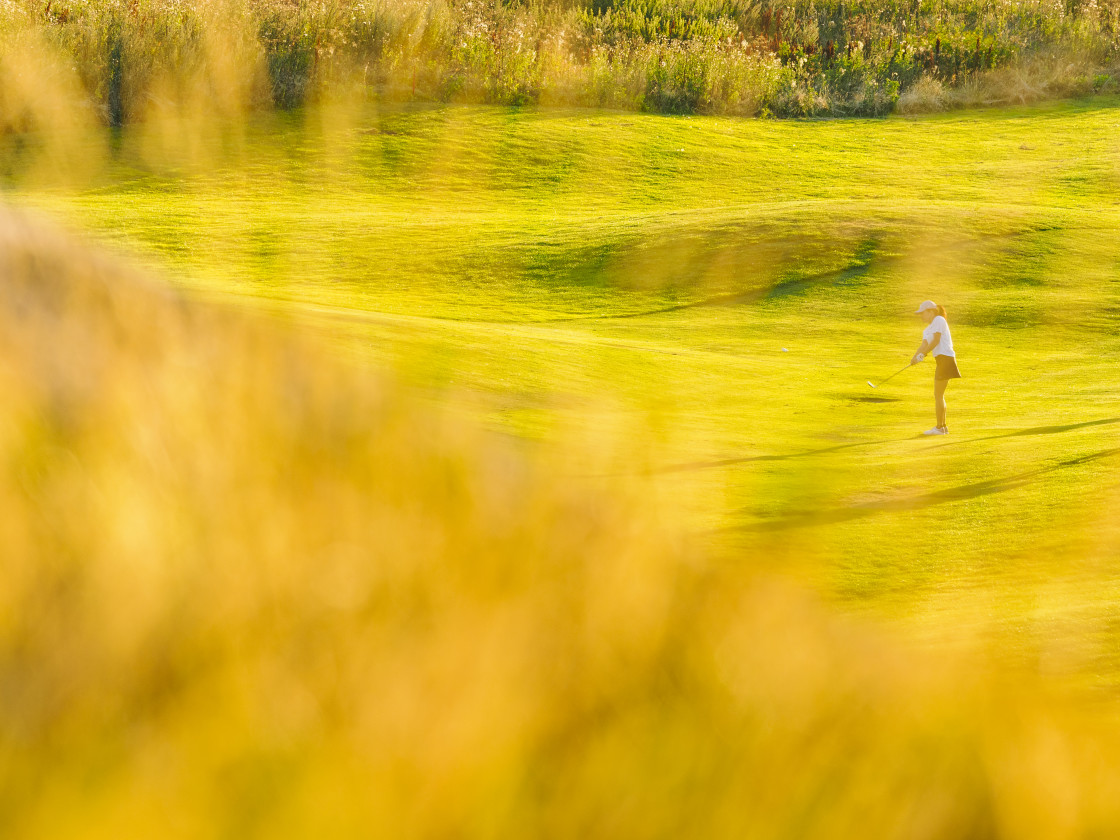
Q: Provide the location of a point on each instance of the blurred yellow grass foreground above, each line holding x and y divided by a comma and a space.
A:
249, 592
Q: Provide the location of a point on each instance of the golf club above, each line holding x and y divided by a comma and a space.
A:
889, 378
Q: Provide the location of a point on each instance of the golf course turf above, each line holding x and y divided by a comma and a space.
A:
705, 299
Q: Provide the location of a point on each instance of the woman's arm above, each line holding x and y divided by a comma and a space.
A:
927, 347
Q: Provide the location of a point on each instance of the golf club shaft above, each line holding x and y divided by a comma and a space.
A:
893, 375
889, 378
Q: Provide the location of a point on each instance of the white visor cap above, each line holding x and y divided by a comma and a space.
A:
926, 304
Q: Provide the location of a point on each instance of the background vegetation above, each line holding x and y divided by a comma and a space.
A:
746, 57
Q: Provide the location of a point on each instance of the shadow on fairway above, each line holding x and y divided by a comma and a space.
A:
730, 462
866, 257
849, 513
1036, 430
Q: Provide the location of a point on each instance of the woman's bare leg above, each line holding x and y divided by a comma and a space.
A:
939, 400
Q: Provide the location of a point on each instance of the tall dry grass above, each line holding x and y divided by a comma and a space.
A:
250, 592
790, 58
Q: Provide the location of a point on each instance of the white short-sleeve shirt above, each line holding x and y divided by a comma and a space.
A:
945, 345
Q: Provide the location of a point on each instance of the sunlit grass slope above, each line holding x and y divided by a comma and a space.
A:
716, 294
250, 591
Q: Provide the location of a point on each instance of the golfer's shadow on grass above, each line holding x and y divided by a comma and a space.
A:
1036, 430
730, 462
796, 519
808, 453
875, 399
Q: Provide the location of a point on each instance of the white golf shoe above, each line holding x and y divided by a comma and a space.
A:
936, 430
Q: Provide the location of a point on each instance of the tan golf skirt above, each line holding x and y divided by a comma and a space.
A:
946, 368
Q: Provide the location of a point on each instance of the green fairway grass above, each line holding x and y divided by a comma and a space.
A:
704, 299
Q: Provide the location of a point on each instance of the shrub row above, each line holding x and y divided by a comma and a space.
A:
795, 58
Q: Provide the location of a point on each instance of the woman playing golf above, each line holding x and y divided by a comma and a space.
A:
937, 340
